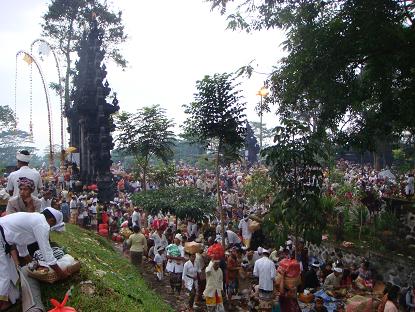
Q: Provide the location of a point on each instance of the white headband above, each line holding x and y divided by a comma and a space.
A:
22, 157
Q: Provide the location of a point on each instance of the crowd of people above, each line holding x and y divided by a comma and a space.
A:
251, 272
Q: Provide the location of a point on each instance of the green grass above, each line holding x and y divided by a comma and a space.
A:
118, 285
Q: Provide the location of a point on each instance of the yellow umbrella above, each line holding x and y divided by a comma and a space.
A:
71, 149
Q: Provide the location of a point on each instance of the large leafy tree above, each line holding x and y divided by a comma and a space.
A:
216, 119
183, 202
350, 64
65, 22
145, 134
295, 163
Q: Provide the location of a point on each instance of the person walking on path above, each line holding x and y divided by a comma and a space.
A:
138, 246
214, 287
190, 275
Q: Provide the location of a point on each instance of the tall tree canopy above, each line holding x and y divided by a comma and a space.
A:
146, 134
65, 22
216, 119
350, 64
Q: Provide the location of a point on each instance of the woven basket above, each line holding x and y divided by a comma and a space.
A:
51, 277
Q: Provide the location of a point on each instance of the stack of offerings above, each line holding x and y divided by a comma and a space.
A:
173, 250
159, 224
254, 226
291, 268
117, 237
216, 252
39, 270
192, 248
126, 232
103, 229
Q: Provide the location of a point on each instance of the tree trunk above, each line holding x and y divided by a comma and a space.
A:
68, 64
222, 219
145, 167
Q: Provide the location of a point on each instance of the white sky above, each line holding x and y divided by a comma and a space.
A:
172, 43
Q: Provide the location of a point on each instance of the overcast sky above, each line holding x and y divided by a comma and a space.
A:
171, 44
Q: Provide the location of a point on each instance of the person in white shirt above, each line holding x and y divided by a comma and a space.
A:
73, 206
190, 278
175, 264
22, 229
158, 263
136, 217
232, 238
46, 200
23, 158
265, 270
244, 228
214, 287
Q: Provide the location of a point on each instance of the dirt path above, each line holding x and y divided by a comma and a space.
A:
179, 303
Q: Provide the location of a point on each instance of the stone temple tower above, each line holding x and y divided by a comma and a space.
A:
90, 115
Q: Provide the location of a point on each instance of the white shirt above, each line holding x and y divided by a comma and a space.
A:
136, 218
233, 238
158, 259
243, 225
73, 204
44, 203
189, 275
214, 281
93, 209
159, 241
24, 171
175, 266
25, 228
265, 270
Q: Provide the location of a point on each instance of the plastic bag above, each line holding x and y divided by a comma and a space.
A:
60, 307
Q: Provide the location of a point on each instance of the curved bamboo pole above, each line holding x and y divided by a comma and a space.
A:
22, 52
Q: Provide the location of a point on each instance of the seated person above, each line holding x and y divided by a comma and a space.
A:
364, 279
332, 281
310, 278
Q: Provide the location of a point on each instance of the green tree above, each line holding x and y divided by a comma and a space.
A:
145, 134
294, 163
11, 139
65, 22
267, 133
216, 119
259, 188
183, 202
350, 64
162, 174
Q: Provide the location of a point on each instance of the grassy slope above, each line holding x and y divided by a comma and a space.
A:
119, 287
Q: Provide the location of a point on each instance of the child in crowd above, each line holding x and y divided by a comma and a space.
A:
158, 263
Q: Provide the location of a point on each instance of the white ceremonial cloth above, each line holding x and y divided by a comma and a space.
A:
189, 275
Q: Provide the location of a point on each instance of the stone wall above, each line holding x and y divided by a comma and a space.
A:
388, 268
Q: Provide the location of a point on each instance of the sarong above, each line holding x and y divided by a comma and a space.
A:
176, 281
266, 299
8, 275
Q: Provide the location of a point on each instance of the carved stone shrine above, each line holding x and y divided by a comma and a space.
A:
89, 118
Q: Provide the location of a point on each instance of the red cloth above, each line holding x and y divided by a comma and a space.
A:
159, 224
105, 218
